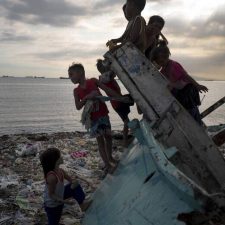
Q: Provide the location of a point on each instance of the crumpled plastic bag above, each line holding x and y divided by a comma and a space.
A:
28, 149
6, 181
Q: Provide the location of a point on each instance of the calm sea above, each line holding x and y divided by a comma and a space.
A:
47, 105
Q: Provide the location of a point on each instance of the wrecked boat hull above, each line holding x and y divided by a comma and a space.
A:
145, 189
174, 173
198, 157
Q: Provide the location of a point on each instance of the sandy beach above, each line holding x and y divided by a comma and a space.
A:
21, 176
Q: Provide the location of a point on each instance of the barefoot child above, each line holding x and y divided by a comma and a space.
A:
136, 28
56, 194
88, 89
122, 108
184, 88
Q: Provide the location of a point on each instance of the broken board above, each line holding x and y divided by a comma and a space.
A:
197, 156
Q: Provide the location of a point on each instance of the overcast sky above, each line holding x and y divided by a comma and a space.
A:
43, 37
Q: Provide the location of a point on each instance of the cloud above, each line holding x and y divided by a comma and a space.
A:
211, 66
51, 12
9, 36
213, 26
72, 53
58, 13
218, 17
103, 4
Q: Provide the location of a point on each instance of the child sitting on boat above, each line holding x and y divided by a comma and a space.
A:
136, 28
57, 194
153, 33
100, 127
107, 77
182, 85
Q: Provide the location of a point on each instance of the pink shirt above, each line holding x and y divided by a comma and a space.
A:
176, 74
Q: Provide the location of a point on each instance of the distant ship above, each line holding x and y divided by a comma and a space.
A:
63, 77
34, 77
39, 77
6, 76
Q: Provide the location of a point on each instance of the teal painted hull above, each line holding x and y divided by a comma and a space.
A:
145, 189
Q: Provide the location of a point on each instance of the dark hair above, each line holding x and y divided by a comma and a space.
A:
162, 48
140, 4
48, 159
100, 66
158, 19
76, 67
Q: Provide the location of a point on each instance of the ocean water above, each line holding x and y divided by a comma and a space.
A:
30, 105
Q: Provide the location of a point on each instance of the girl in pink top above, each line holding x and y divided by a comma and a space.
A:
182, 85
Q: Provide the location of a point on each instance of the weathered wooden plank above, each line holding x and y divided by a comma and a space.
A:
131, 87
175, 127
141, 71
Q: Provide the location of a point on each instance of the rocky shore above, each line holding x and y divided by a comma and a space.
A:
21, 176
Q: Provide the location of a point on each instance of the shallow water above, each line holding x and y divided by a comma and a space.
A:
47, 105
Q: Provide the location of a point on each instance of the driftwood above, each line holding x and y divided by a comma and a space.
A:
213, 107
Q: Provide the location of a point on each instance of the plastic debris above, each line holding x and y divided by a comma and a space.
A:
7, 181
5, 219
79, 154
29, 149
22, 180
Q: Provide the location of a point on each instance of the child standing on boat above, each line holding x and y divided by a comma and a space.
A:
88, 89
56, 194
107, 77
182, 85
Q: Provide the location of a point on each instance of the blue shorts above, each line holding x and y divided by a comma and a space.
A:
100, 126
54, 213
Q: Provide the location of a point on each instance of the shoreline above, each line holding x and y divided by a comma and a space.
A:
78, 131
210, 128
66, 78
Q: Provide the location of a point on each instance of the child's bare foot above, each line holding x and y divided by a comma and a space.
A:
85, 205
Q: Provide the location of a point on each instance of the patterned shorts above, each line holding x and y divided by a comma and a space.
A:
100, 127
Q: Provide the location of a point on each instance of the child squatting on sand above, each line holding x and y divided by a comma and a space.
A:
56, 194
88, 90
